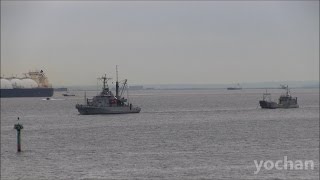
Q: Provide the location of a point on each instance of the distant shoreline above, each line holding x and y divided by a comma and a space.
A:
254, 85
185, 89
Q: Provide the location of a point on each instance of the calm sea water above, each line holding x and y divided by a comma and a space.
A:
188, 134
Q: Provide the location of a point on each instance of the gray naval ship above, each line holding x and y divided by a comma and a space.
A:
285, 101
107, 103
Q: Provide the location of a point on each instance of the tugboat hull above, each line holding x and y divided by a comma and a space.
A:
268, 105
234, 88
274, 105
90, 110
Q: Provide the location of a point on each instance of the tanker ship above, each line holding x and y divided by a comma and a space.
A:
33, 84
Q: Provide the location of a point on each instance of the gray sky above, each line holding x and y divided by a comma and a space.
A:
162, 42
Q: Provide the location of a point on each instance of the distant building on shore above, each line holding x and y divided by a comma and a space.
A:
60, 89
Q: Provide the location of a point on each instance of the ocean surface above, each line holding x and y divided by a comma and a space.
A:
179, 134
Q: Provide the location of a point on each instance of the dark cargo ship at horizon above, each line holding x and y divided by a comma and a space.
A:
34, 84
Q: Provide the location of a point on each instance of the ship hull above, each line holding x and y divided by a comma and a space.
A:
274, 105
26, 92
230, 88
91, 110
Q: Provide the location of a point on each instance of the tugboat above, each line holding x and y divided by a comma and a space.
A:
106, 102
285, 101
238, 87
68, 94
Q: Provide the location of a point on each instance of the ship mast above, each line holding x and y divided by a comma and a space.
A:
104, 81
288, 91
117, 83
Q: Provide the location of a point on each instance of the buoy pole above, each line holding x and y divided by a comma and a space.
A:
19, 141
18, 127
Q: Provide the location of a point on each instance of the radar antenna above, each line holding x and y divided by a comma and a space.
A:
105, 81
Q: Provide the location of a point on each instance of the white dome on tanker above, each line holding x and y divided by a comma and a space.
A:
16, 83
29, 83
5, 84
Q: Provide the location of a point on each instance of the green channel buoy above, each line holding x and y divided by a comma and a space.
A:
18, 127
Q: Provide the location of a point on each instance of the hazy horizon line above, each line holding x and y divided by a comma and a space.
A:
299, 82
